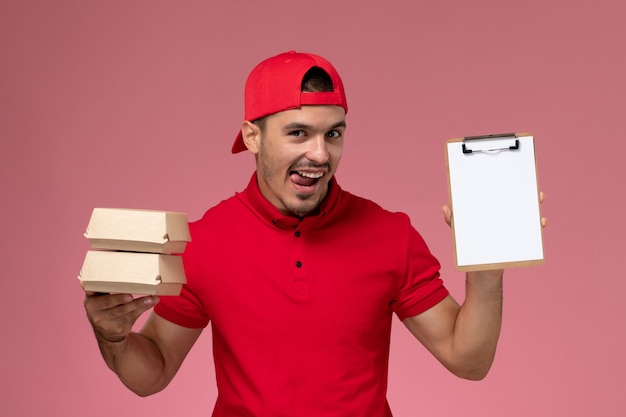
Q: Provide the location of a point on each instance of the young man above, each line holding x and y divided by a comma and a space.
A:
298, 278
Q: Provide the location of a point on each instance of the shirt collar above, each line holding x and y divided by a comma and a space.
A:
270, 213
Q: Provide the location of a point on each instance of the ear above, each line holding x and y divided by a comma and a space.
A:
251, 135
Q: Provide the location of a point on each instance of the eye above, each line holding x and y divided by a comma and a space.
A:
297, 133
334, 134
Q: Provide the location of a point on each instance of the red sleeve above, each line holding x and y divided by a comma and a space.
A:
186, 309
422, 287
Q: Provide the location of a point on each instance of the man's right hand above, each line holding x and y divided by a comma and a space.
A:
112, 316
147, 360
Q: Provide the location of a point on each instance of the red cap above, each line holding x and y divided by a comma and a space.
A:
275, 85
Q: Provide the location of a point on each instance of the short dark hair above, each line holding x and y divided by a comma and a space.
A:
316, 80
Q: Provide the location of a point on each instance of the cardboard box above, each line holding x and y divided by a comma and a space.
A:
132, 273
138, 230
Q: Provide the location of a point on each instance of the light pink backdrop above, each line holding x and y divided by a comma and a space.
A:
136, 103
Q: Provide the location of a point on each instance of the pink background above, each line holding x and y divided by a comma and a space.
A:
136, 103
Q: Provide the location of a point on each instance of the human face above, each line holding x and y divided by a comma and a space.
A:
297, 153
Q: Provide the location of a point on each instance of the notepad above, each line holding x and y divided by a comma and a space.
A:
494, 197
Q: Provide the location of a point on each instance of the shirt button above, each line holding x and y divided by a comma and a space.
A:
298, 264
297, 233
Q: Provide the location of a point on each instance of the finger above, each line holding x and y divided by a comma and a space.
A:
542, 197
92, 293
102, 301
447, 214
114, 324
133, 309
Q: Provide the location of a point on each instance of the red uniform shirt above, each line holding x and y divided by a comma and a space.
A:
301, 309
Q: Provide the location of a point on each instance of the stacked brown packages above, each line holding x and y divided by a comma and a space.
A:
135, 252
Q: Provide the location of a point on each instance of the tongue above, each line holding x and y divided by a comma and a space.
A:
302, 181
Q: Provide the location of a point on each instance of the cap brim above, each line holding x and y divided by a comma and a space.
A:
238, 146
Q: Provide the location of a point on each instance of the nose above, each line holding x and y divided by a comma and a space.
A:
318, 150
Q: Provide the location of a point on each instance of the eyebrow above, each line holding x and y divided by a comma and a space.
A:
298, 125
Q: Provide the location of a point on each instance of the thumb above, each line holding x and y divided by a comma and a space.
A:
447, 214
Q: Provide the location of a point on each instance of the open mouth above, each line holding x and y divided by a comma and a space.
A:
305, 179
